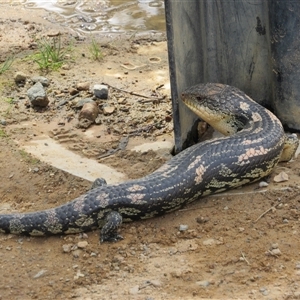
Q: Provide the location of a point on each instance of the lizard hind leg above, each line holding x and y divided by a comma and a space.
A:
109, 231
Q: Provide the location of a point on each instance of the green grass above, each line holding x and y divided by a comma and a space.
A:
6, 64
3, 133
8, 100
95, 50
51, 54
28, 158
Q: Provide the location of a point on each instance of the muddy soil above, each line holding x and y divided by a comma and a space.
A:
242, 244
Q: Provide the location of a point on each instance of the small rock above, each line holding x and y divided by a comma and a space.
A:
73, 91
82, 244
43, 80
202, 220
37, 95
263, 184
274, 246
121, 100
176, 274
81, 102
282, 176
39, 274
108, 110
20, 77
88, 114
134, 290
209, 242
155, 283
100, 91
76, 253
98, 120
83, 235
203, 283
67, 248
183, 227
3, 122
53, 33
264, 291
275, 252
83, 86
66, 67
78, 275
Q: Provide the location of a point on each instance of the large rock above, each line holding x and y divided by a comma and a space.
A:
37, 95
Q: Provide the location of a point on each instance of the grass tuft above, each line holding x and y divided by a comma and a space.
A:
95, 50
6, 65
51, 55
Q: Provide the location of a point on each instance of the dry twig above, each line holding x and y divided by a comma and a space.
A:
245, 259
136, 94
264, 213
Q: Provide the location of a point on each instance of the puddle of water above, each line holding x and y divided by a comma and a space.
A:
102, 15
49, 151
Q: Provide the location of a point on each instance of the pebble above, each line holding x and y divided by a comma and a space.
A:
275, 252
263, 184
282, 176
202, 220
108, 110
3, 122
73, 91
43, 80
82, 244
264, 291
155, 283
183, 227
65, 67
39, 274
100, 91
134, 290
83, 86
76, 253
81, 102
78, 275
203, 283
67, 248
121, 100
20, 77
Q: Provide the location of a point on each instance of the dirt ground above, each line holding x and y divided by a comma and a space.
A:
243, 244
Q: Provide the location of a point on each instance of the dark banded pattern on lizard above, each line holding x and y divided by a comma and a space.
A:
252, 147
